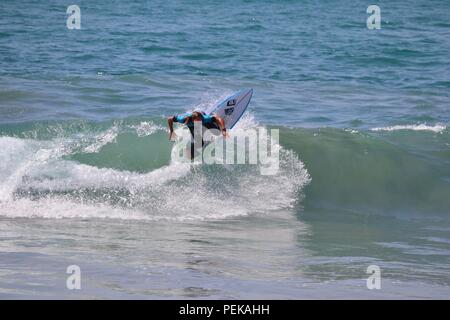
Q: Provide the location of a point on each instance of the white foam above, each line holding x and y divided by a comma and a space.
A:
37, 182
210, 100
19, 157
69, 175
246, 122
11, 170
54, 207
93, 143
415, 127
59, 207
102, 139
146, 128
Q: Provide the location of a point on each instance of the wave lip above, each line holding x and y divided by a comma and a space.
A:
437, 128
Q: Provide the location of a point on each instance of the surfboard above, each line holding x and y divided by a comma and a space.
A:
233, 107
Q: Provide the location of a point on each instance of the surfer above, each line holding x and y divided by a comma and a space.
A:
207, 121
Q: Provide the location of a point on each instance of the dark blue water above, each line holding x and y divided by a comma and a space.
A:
310, 63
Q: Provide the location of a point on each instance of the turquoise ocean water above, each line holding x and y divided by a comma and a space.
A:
87, 176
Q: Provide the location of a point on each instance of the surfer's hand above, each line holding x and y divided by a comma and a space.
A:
172, 136
225, 133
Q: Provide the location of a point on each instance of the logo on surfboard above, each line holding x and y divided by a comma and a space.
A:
229, 111
231, 102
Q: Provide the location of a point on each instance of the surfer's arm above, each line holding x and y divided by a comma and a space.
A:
170, 121
221, 125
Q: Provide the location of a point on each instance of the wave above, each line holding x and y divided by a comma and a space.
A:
401, 173
124, 170
128, 168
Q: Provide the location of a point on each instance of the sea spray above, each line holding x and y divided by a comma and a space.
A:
55, 178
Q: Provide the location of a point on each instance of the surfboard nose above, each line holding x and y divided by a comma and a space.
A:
245, 92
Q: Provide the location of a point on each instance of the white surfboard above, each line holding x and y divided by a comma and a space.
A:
232, 108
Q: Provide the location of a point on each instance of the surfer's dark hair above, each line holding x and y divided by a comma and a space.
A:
198, 112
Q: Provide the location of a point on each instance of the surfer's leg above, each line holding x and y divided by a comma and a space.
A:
192, 152
211, 125
191, 155
213, 130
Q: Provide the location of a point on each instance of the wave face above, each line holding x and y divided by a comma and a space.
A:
402, 172
124, 170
